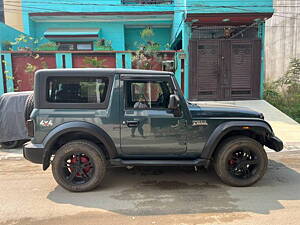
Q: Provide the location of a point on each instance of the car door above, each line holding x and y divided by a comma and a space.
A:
148, 126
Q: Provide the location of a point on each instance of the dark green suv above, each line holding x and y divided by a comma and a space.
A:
85, 120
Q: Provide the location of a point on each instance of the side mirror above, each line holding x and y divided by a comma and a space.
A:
174, 102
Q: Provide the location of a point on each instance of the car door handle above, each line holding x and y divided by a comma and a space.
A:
132, 123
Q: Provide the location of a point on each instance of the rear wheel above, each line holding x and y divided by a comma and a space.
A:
79, 166
29, 105
10, 144
240, 161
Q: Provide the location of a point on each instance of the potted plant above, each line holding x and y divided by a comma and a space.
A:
6, 46
103, 45
147, 56
147, 33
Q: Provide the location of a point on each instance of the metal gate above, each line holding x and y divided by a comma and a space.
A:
224, 69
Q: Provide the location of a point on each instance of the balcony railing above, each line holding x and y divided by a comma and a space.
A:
147, 2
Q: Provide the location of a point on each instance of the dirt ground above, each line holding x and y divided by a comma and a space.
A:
150, 196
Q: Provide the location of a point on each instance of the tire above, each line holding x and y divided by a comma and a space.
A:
240, 161
10, 144
29, 105
76, 179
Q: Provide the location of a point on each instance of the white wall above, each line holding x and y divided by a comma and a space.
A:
13, 14
282, 37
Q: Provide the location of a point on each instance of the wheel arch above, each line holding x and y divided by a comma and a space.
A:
258, 130
73, 131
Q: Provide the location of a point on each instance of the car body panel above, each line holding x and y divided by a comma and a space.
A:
158, 132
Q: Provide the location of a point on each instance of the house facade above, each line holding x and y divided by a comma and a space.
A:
220, 44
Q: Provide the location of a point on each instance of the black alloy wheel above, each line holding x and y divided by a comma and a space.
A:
243, 163
240, 161
79, 166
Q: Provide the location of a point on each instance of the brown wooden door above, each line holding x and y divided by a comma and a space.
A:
245, 69
224, 69
204, 69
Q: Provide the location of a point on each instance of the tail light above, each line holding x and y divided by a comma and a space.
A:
30, 128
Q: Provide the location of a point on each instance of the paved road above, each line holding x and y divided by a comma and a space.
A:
151, 196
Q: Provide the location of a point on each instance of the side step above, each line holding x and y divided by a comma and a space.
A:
167, 162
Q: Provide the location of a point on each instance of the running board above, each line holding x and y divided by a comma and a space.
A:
167, 162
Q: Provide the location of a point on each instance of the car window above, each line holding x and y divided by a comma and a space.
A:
147, 94
77, 89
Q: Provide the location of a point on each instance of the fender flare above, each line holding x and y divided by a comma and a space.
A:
261, 128
78, 126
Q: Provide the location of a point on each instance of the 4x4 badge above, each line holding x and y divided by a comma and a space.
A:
46, 123
200, 123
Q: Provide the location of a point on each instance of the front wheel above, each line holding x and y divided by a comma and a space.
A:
240, 161
79, 166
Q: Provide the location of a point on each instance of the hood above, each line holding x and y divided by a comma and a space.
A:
222, 110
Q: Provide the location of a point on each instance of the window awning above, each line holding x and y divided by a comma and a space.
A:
72, 34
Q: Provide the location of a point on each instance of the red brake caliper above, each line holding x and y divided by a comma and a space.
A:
231, 162
83, 159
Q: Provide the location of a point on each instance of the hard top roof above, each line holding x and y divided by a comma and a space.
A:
107, 71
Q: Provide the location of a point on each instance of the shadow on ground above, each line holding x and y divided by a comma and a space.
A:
162, 191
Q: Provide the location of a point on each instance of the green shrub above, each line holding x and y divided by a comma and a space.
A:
26, 43
151, 46
94, 62
49, 46
284, 93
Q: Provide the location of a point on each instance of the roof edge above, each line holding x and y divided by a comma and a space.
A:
99, 13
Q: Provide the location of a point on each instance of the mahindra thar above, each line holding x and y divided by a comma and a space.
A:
82, 121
